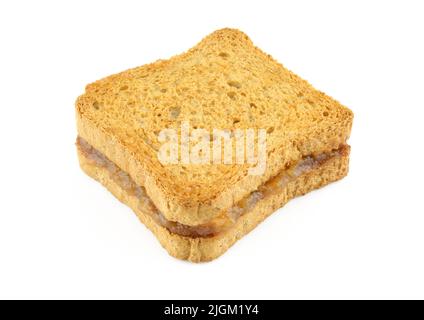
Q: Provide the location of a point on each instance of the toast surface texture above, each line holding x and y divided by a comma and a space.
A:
207, 249
224, 82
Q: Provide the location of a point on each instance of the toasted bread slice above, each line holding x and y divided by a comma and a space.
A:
223, 82
206, 247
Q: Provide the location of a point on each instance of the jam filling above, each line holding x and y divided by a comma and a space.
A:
228, 217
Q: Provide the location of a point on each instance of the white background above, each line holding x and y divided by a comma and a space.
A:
62, 235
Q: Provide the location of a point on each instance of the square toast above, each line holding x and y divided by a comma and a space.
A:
198, 211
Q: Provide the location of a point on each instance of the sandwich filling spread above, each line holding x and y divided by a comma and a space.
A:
225, 220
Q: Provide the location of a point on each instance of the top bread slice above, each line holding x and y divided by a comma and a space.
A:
224, 82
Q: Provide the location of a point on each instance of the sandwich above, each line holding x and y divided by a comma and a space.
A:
207, 144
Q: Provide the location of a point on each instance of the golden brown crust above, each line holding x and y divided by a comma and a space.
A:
206, 249
121, 115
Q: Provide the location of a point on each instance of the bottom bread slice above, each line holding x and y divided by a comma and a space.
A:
200, 249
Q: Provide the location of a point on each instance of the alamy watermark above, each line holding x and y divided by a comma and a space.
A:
200, 146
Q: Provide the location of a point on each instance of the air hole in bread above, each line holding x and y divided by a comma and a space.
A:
224, 55
270, 130
234, 84
163, 90
236, 120
231, 94
325, 114
174, 113
310, 102
96, 105
254, 106
124, 88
